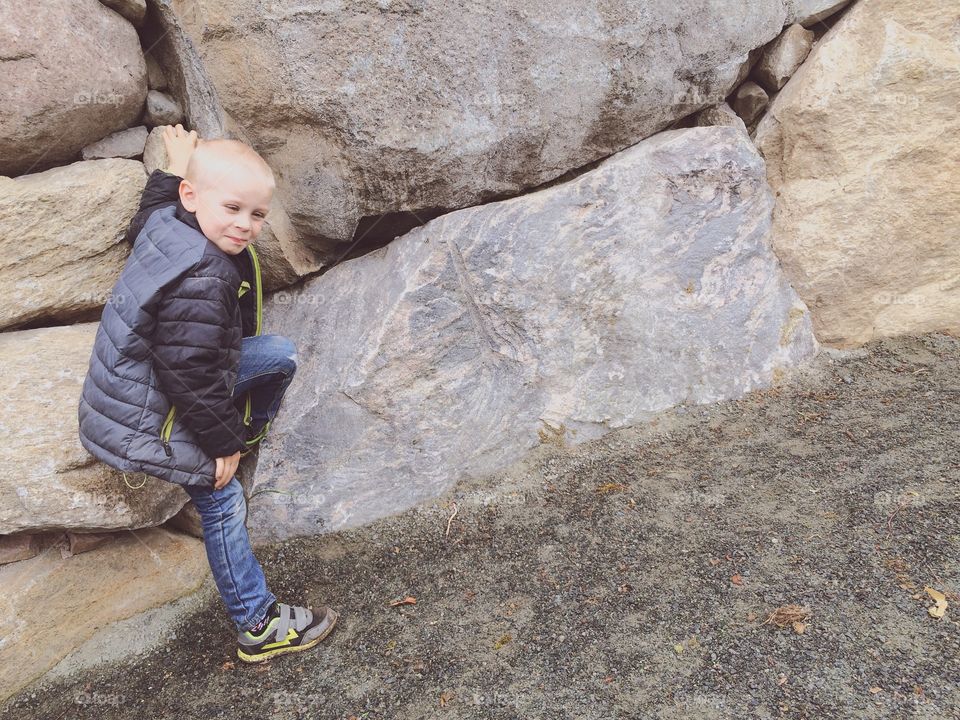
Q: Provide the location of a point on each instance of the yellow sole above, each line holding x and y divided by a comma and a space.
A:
292, 648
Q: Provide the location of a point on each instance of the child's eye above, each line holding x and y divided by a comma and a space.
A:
232, 207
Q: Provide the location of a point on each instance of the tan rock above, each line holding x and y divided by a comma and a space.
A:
782, 57
48, 481
721, 114
61, 238
49, 605
859, 150
73, 72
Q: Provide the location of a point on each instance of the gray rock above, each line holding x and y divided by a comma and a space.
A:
65, 227
424, 118
721, 114
48, 481
123, 144
133, 10
749, 101
644, 283
782, 58
811, 12
162, 110
156, 78
73, 73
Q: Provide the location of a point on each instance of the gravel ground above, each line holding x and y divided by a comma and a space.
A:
630, 577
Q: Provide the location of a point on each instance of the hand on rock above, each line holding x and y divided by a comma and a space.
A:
180, 145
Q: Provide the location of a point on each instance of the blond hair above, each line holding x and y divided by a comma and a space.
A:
213, 160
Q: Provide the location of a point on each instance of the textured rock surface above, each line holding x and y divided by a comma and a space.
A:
132, 10
73, 73
749, 101
50, 605
366, 110
17, 547
644, 283
47, 479
782, 58
811, 12
721, 114
123, 144
61, 237
858, 146
162, 110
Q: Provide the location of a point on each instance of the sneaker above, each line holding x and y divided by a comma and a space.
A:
289, 629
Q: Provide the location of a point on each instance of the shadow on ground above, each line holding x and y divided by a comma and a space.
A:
629, 577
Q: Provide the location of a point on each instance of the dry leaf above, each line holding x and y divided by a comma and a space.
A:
503, 640
408, 600
678, 648
445, 697
792, 615
714, 561
799, 627
228, 665
940, 608
875, 690
611, 487
736, 579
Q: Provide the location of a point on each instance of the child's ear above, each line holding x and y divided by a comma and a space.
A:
188, 196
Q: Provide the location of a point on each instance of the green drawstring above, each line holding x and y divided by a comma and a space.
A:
134, 487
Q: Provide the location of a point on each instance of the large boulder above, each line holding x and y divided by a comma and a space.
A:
859, 150
810, 13
61, 238
557, 316
73, 74
48, 481
369, 110
50, 606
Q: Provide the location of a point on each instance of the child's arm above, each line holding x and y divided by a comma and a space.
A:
162, 189
194, 320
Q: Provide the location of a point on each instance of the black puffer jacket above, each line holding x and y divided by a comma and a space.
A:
158, 395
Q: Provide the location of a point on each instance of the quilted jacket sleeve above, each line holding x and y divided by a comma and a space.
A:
162, 189
194, 321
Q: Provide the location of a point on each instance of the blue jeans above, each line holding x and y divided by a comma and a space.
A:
267, 365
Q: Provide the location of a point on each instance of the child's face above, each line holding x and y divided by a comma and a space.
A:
231, 210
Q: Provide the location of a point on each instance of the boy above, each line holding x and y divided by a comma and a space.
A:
172, 366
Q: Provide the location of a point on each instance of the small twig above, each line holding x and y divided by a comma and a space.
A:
450, 519
900, 507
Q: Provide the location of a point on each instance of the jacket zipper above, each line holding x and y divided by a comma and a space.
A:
166, 430
167, 427
248, 411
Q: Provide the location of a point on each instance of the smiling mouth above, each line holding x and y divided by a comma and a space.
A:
238, 241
